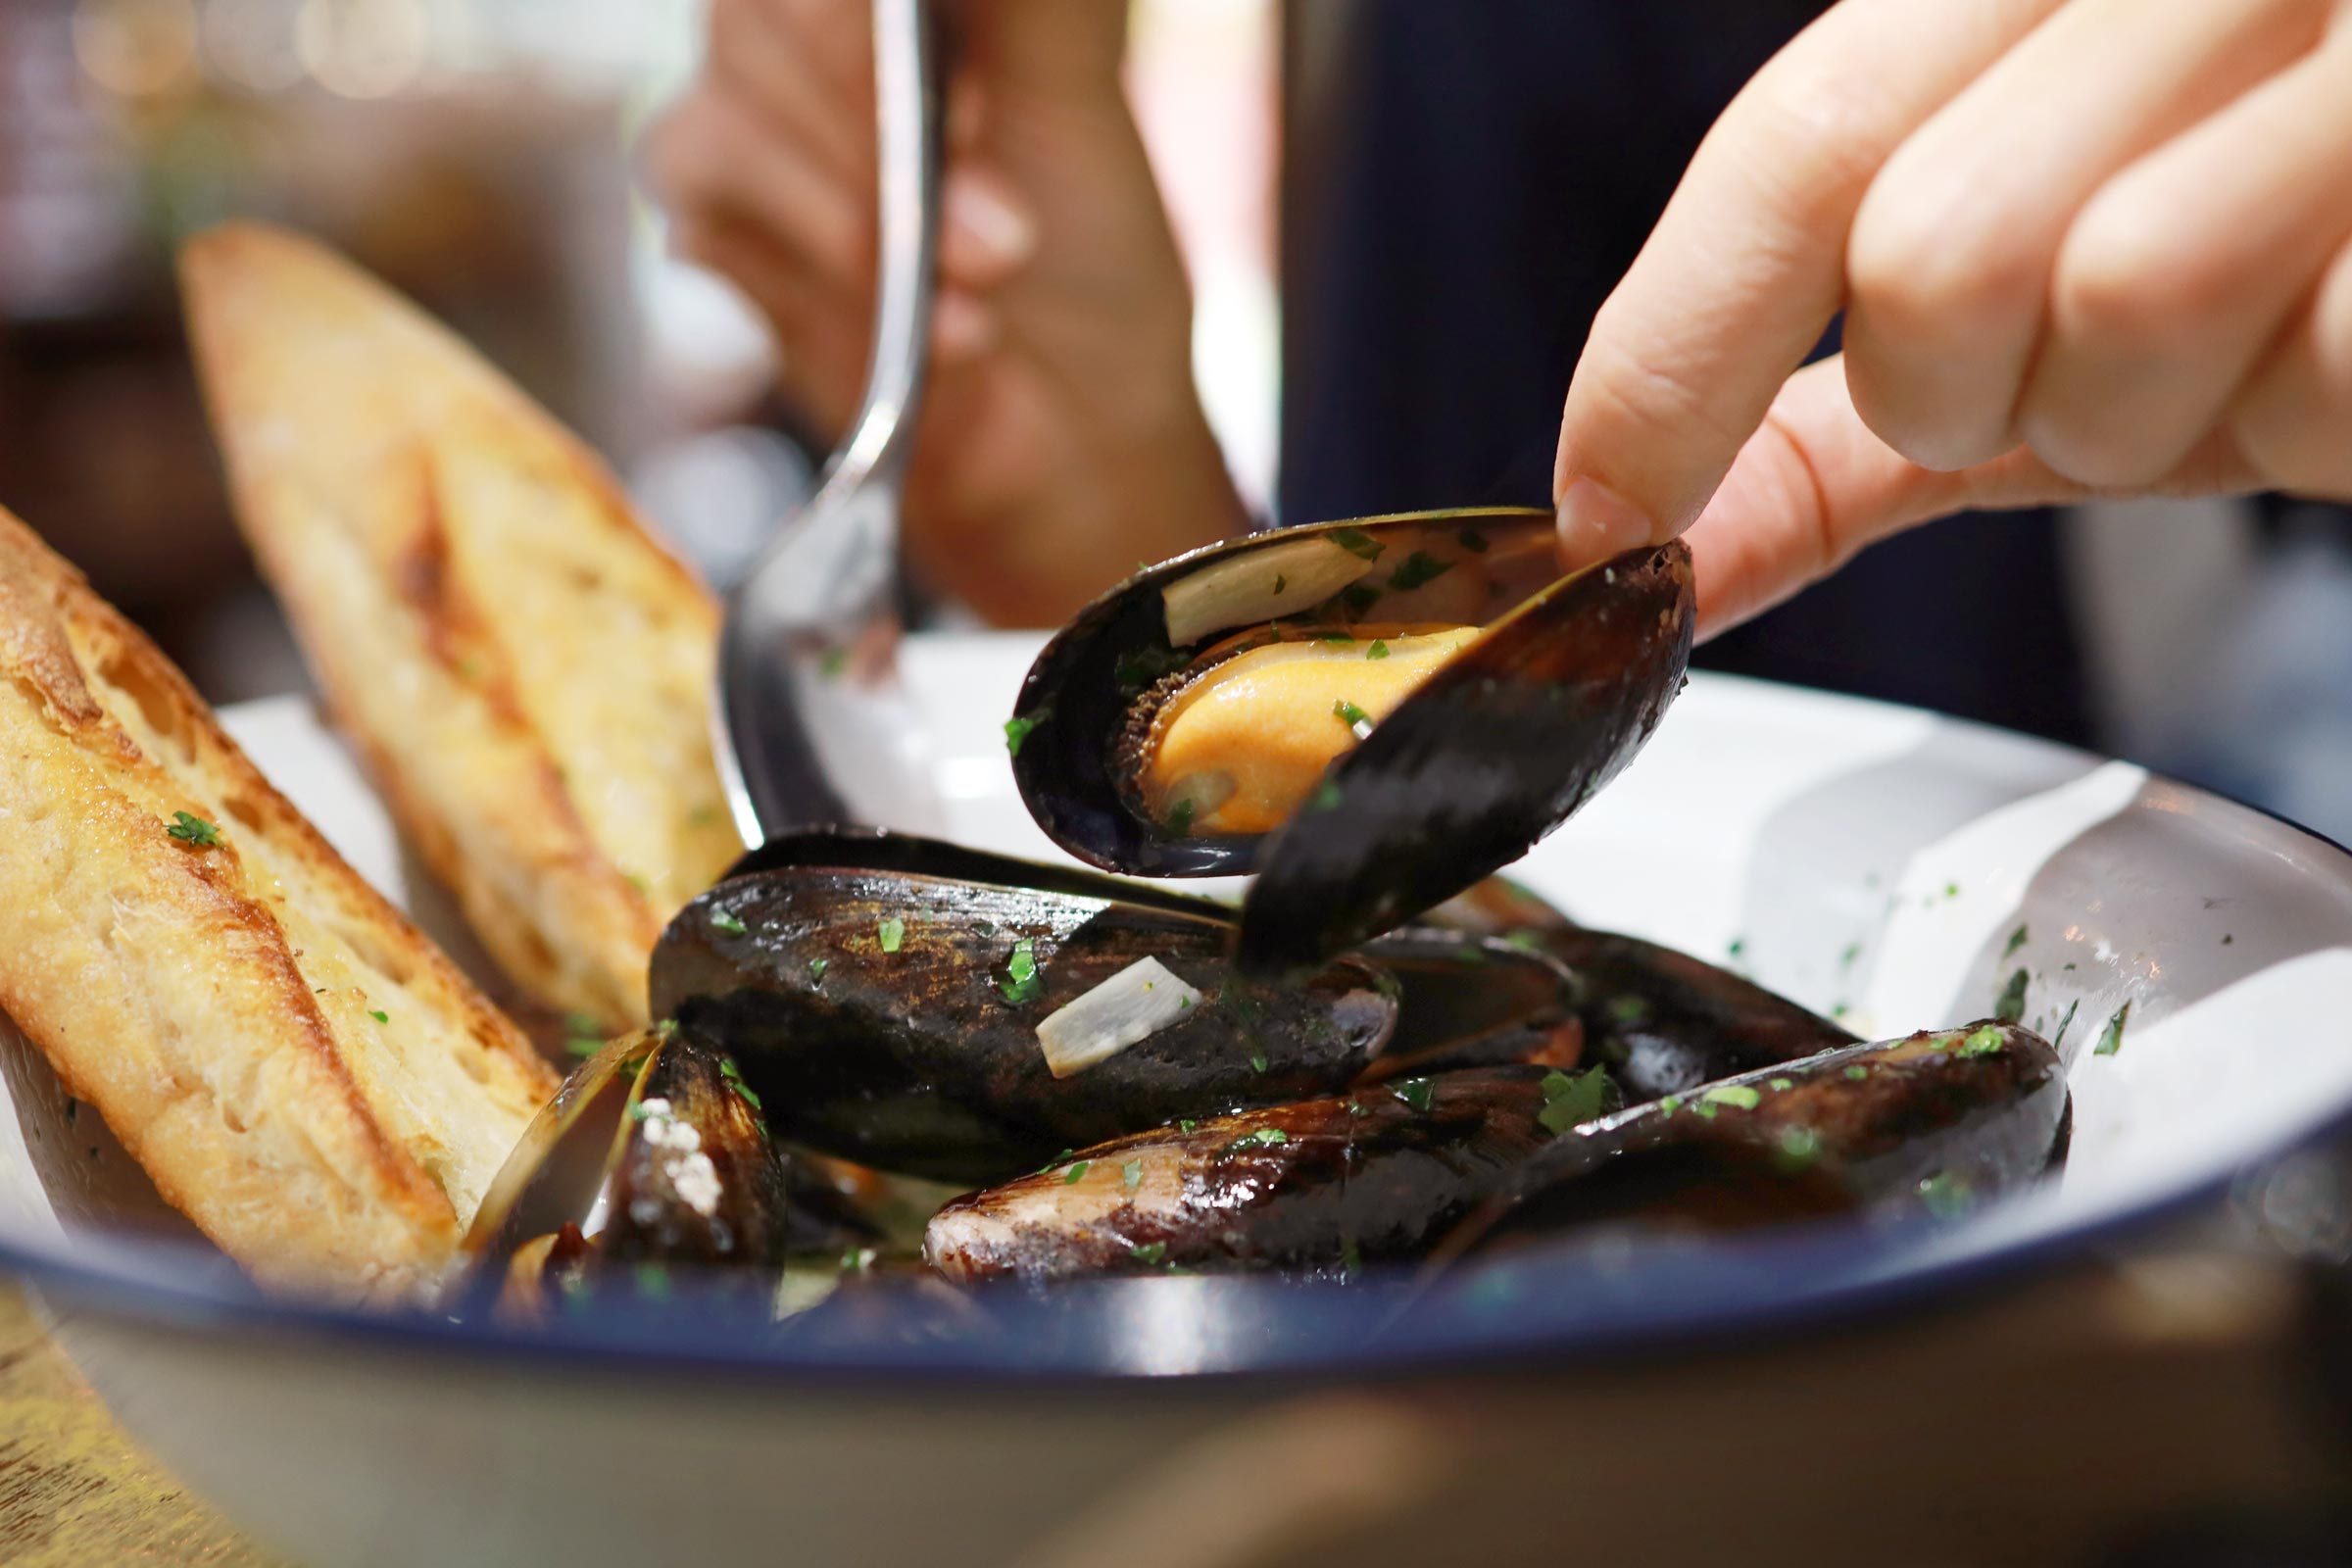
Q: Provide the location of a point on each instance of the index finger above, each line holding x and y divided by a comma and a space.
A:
1745, 269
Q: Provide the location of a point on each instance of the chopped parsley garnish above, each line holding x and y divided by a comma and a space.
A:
1795, 1149
2017, 940
1360, 599
1670, 1104
1418, 568
836, 661
857, 1260
721, 921
1781, 1083
1704, 1110
1017, 730
2065, 1023
1347, 713
1627, 1009
1743, 1095
1853, 950
891, 932
1131, 1174
1946, 1195
1076, 1173
1358, 543
379, 1015
194, 831
1187, 1125
1149, 1254
1378, 650
1351, 1258
1472, 541
1179, 817
1415, 1092
2011, 1006
1573, 1098
1262, 1137
1527, 939
1985, 1042
817, 969
2111, 1037
1839, 1009
583, 1045
1144, 667
2227, 939
1325, 799
1738, 946
1021, 982
1857, 1072
653, 1280
1258, 1063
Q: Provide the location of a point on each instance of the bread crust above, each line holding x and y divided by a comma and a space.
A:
294, 1064
525, 671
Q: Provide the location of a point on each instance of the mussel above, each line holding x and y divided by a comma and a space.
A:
1942, 1120
1370, 714
967, 1025
654, 1154
1320, 1187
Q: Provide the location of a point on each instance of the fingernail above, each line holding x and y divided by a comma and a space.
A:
1597, 523
991, 220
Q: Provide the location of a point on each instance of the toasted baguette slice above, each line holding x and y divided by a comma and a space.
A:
296, 1066
527, 673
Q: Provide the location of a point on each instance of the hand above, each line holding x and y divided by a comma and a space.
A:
2082, 246
1061, 438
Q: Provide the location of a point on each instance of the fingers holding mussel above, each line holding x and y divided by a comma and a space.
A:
1320, 1187
966, 1030
1940, 1121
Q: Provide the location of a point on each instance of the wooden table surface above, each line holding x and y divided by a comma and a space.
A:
76, 1492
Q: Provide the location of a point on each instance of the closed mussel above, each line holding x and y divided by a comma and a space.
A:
968, 1030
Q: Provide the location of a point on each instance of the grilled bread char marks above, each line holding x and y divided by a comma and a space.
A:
525, 670
218, 1004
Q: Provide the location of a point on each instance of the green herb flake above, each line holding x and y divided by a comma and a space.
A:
1336, 639
1358, 543
1946, 1195
1627, 1009
1131, 1174
2011, 1006
1527, 939
1149, 1254
1472, 540
1738, 945
1985, 1042
1419, 567
2111, 1037
1741, 1096
1281, 582
1179, 817
1857, 1072
1952, 890
817, 969
1795, 1149
194, 831
2017, 940
1571, 1099
1781, 1083
1076, 1173
1839, 1009
891, 932
1022, 982
2066, 966
1704, 1110
1019, 730
857, 1260
1262, 1137
1378, 650
1258, 1063
1415, 1091
2065, 1023
1853, 950
1347, 713
1351, 1258
732, 925
1188, 1125
2228, 938
379, 1015
1325, 799
583, 1045
1670, 1104
1146, 666
653, 1280
836, 661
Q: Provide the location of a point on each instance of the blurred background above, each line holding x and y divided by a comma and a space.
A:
1398, 216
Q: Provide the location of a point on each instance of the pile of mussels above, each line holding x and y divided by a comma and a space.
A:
1384, 1054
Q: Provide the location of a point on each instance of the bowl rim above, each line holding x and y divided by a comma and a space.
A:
1791, 1285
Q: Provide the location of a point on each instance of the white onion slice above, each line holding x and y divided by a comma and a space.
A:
1135, 1004
1239, 591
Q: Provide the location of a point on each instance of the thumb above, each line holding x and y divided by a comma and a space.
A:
1815, 485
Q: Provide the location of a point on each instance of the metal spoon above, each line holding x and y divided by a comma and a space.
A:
811, 723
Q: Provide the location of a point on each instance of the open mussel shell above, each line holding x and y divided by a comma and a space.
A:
893, 1017
1940, 1121
653, 1154
1319, 1187
1371, 714
1473, 1001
